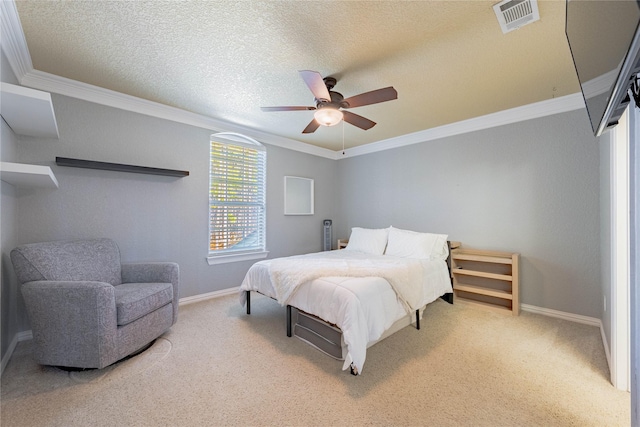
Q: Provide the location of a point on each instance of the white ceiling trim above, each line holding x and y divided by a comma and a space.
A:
14, 44
15, 47
526, 112
600, 84
72, 88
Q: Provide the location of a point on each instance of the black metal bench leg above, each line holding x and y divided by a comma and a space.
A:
288, 320
418, 319
248, 302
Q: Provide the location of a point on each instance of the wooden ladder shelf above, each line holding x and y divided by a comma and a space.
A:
490, 278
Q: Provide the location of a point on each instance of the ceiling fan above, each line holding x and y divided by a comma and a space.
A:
330, 106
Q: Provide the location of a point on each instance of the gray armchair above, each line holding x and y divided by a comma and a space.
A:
87, 310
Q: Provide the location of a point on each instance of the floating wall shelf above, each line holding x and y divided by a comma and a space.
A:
28, 111
20, 174
118, 167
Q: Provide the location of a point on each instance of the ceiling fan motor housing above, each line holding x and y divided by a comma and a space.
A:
330, 82
336, 101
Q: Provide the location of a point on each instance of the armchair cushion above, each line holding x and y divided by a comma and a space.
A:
135, 300
156, 272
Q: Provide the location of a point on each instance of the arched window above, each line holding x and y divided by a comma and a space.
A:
237, 198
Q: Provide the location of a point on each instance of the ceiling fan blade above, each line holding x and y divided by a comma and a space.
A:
373, 97
311, 127
286, 108
358, 121
314, 81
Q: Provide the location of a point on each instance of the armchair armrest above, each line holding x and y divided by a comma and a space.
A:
154, 272
71, 320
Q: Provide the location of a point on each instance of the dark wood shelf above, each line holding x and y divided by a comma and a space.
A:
118, 167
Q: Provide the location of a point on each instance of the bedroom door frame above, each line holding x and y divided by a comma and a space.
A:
621, 137
634, 266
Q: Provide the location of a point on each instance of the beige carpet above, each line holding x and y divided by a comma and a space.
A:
217, 366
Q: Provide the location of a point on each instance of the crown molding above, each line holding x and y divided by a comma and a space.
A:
14, 43
600, 84
15, 47
501, 118
74, 89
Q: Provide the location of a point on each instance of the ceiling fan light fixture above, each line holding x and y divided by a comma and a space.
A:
328, 103
328, 116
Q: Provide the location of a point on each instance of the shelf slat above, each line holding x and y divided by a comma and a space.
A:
485, 305
483, 291
481, 258
481, 274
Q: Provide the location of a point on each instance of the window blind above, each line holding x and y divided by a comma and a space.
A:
237, 202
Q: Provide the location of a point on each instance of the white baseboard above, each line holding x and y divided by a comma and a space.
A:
20, 336
592, 321
24, 335
578, 318
208, 295
586, 320
607, 352
9, 353
27, 335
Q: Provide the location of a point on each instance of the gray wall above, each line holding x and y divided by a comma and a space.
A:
295, 234
12, 315
530, 187
152, 217
13, 318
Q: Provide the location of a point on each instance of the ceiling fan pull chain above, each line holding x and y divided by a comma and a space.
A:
343, 137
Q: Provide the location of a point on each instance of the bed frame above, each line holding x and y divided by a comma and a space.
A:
448, 297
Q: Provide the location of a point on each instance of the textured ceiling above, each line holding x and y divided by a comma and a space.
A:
448, 60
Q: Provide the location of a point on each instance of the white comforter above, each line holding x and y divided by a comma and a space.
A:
402, 274
362, 307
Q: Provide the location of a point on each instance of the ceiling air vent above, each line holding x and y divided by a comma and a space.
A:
513, 14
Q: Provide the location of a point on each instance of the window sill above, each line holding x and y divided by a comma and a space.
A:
223, 259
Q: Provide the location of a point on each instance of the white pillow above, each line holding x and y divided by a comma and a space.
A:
411, 244
367, 240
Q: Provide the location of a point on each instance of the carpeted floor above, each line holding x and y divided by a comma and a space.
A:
217, 366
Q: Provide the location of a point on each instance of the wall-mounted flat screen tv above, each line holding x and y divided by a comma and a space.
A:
605, 45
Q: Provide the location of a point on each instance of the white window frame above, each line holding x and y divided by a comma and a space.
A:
228, 254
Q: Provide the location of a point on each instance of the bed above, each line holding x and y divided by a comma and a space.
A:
359, 295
